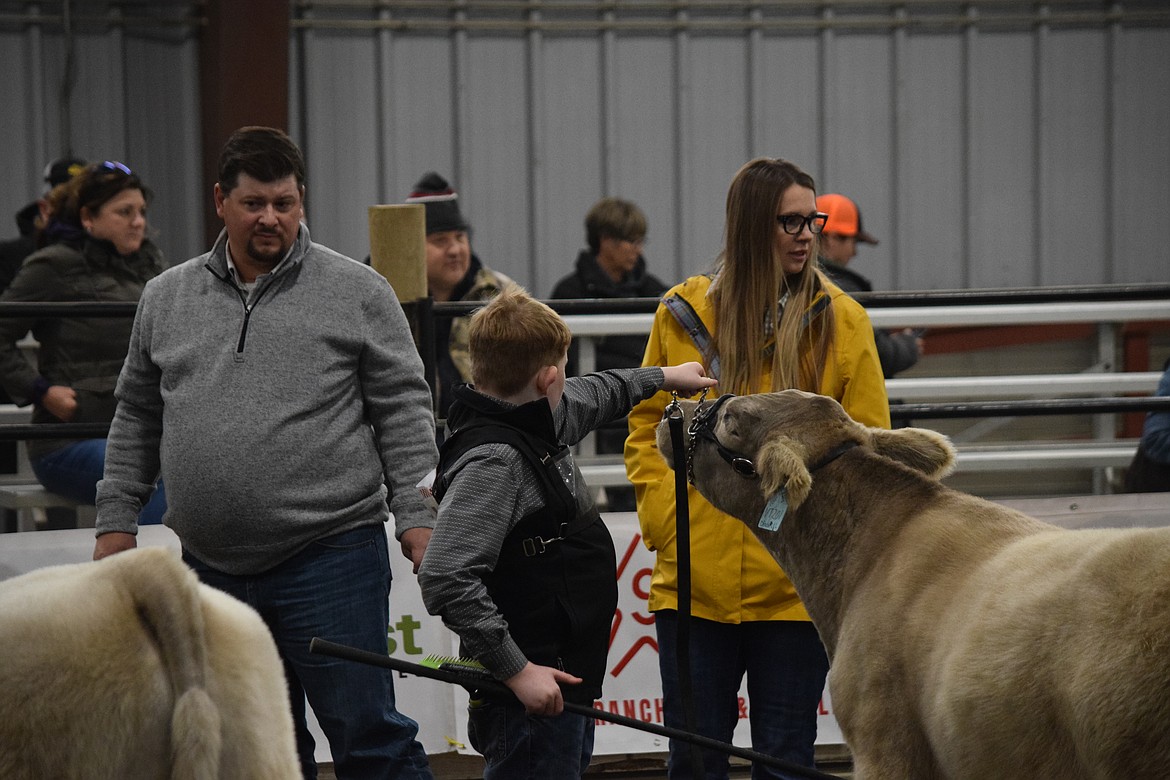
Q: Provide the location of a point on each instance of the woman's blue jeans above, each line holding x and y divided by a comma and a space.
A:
786, 667
337, 588
73, 471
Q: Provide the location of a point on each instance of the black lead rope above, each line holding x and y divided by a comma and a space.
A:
470, 680
682, 525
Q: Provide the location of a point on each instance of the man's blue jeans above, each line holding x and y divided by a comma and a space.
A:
338, 589
518, 746
786, 667
73, 471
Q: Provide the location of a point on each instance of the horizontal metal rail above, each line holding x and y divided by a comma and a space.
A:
926, 316
661, 17
1020, 314
29, 309
1029, 408
1095, 293
1042, 456
1032, 408
1047, 385
610, 471
954, 396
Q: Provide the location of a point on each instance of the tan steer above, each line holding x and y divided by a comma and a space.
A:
129, 667
968, 641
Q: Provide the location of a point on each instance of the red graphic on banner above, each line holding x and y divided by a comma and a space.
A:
637, 582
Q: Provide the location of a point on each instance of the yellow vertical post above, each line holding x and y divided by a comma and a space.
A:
398, 248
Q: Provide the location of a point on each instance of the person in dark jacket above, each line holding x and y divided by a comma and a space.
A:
612, 267
14, 251
1149, 471
896, 351
454, 273
100, 253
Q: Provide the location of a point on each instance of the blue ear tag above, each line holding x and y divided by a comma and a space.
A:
774, 512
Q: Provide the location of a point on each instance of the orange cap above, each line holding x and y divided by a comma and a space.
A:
844, 217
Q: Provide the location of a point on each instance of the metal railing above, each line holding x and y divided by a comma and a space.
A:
1098, 390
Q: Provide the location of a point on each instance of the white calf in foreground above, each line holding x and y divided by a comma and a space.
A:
128, 667
968, 641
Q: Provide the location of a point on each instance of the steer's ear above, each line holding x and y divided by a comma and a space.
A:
920, 449
781, 465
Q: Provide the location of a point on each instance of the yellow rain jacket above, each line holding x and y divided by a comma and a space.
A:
734, 579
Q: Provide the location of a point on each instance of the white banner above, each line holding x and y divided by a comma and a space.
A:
632, 686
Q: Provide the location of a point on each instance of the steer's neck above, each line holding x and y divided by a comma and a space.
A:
838, 535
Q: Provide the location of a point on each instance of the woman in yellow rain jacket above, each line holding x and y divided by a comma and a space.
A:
747, 616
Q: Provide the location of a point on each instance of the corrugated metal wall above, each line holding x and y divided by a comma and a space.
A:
988, 143
132, 95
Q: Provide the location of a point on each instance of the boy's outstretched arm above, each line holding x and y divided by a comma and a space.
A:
538, 688
686, 378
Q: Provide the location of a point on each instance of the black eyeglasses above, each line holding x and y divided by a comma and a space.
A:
110, 165
793, 224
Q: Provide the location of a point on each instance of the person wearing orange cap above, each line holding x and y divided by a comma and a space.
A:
896, 351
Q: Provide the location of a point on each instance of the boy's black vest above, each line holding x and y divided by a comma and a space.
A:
556, 578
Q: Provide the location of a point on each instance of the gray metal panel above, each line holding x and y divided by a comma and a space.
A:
790, 86
341, 143
984, 150
1074, 192
98, 98
420, 125
859, 110
716, 144
1141, 156
133, 98
1002, 160
930, 152
495, 188
23, 150
572, 116
166, 154
643, 145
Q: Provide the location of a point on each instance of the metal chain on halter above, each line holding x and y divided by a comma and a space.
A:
692, 440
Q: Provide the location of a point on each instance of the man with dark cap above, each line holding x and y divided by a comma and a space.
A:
13, 252
454, 273
838, 245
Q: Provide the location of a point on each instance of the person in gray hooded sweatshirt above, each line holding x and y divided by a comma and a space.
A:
275, 385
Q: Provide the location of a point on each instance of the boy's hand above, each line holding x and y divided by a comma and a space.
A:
538, 689
687, 378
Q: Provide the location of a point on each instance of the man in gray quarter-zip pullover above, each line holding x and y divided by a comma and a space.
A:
275, 385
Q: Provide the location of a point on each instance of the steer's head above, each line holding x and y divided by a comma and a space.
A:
746, 449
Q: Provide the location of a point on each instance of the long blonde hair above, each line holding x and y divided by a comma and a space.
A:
750, 283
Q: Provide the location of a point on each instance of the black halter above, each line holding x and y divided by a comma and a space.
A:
703, 427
